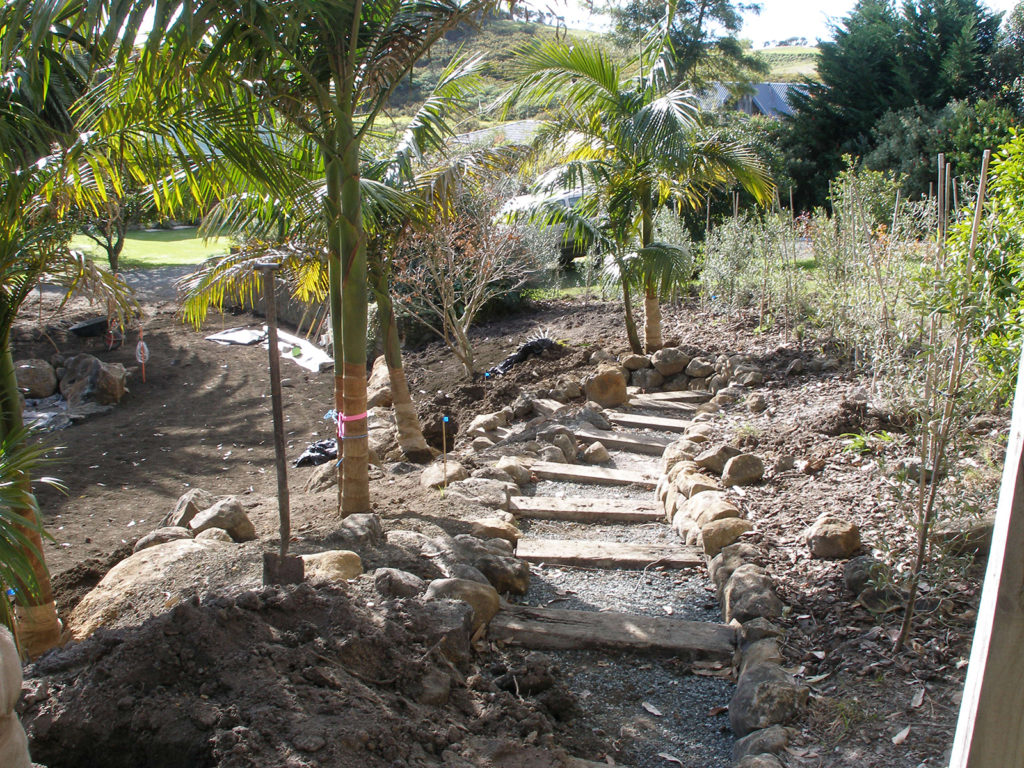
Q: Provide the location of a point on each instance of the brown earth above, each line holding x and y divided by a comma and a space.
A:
202, 419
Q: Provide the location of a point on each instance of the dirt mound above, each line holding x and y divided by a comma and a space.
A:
283, 676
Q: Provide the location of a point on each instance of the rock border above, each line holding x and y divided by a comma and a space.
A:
767, 698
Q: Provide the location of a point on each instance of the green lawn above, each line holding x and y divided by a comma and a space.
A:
790, 64
158, 248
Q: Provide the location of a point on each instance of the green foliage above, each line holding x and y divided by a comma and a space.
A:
989, 287
924, 55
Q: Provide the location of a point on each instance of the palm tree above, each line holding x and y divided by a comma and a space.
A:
627, 136
326, 68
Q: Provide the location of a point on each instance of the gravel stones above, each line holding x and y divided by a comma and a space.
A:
36, 378
227, 514
482, 598
607, 387
333, 565
441, 473
833, 538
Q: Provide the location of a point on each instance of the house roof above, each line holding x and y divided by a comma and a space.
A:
771, 99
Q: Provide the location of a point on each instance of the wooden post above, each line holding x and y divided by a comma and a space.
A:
990, 731
278, 568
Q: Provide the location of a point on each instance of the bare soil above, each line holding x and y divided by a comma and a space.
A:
202, 419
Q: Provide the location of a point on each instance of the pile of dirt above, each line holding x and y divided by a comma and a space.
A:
290, 676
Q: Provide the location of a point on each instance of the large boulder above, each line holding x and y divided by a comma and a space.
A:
89, 380
607, 387
146, 583
36, 378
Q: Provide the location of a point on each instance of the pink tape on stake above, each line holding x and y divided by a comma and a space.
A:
342, 418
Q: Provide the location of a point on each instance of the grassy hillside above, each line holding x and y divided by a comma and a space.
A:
791, 64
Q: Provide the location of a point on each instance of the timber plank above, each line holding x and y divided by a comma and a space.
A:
585, 510
576, 473
690, 397
636, 421
653, 445
669, 406
553, 628
587, 553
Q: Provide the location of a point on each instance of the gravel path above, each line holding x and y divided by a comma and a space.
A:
652, 711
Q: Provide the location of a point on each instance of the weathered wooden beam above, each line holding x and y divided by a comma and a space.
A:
692, 398
577, 473
550, 628
636, 421
665, 406
990, 731
653, 445
585, 553
584, 510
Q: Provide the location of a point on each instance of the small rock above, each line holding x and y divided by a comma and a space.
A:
699, 368
520, 474
435, 688
591, 413
680, 450
441, 473
323, 477
720, 533
567, 444
161, 536
492, 473
670, 361
767, 741
227, 514
333, 565
757, 403
749, 594
913, 468
188, 506
745, 469
760, 761
361, 530
214, 534
552, 453
833, 538
601, 355
765, 696
690, 483
714, 459
759, 629
748, 378
87, 379
635, 362
378, 386
481, 444
965, 537
722, 565
494, 528
487, 493
646, 379
795, 368
859, 571
607, 387
758, 652
784, 463
482, 598
36, 378
709, 506
391, 582
596, 453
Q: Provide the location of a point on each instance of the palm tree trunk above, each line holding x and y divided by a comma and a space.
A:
410, 434
38, 626
652, 319
627, 303
355, 482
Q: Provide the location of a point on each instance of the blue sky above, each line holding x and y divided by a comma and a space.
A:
779, 19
